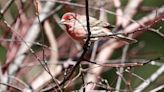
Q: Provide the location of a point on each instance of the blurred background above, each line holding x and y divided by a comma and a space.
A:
34, 46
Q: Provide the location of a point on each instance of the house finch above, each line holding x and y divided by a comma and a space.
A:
76, 27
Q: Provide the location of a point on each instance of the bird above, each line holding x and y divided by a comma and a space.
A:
76, 27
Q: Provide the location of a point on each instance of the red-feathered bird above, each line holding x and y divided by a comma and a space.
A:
76, 27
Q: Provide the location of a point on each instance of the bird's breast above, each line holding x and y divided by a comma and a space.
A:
77, 33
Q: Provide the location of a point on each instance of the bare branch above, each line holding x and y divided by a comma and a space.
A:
158, 89
119, 12
152, 78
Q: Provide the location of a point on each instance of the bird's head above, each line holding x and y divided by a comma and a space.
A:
69, 18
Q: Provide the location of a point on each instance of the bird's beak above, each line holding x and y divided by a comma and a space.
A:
62, 21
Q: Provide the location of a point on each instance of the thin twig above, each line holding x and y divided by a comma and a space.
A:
12, 86
20, 81
97, 8
76, 77
85, 48
152, 78
159, 88
82, 77
8, 4
135, 75
34, 43
44, 64
120, 70
135, 64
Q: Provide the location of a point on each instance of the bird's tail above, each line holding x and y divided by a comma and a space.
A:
96, 33
125, 38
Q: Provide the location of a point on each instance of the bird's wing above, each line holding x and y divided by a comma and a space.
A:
93, 22
100, 29
98, 32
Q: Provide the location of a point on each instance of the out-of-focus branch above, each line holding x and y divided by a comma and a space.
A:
5, 8
89, 77
158, 89
22, 15
86, 45
120, 70
106, 52
141, 24
158, 32
113, 63
130, 11
85, 48
102, 56
0, 75
12, 86
50, 71
152, 78
4, 11
119, 12
83, 6
31, 36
